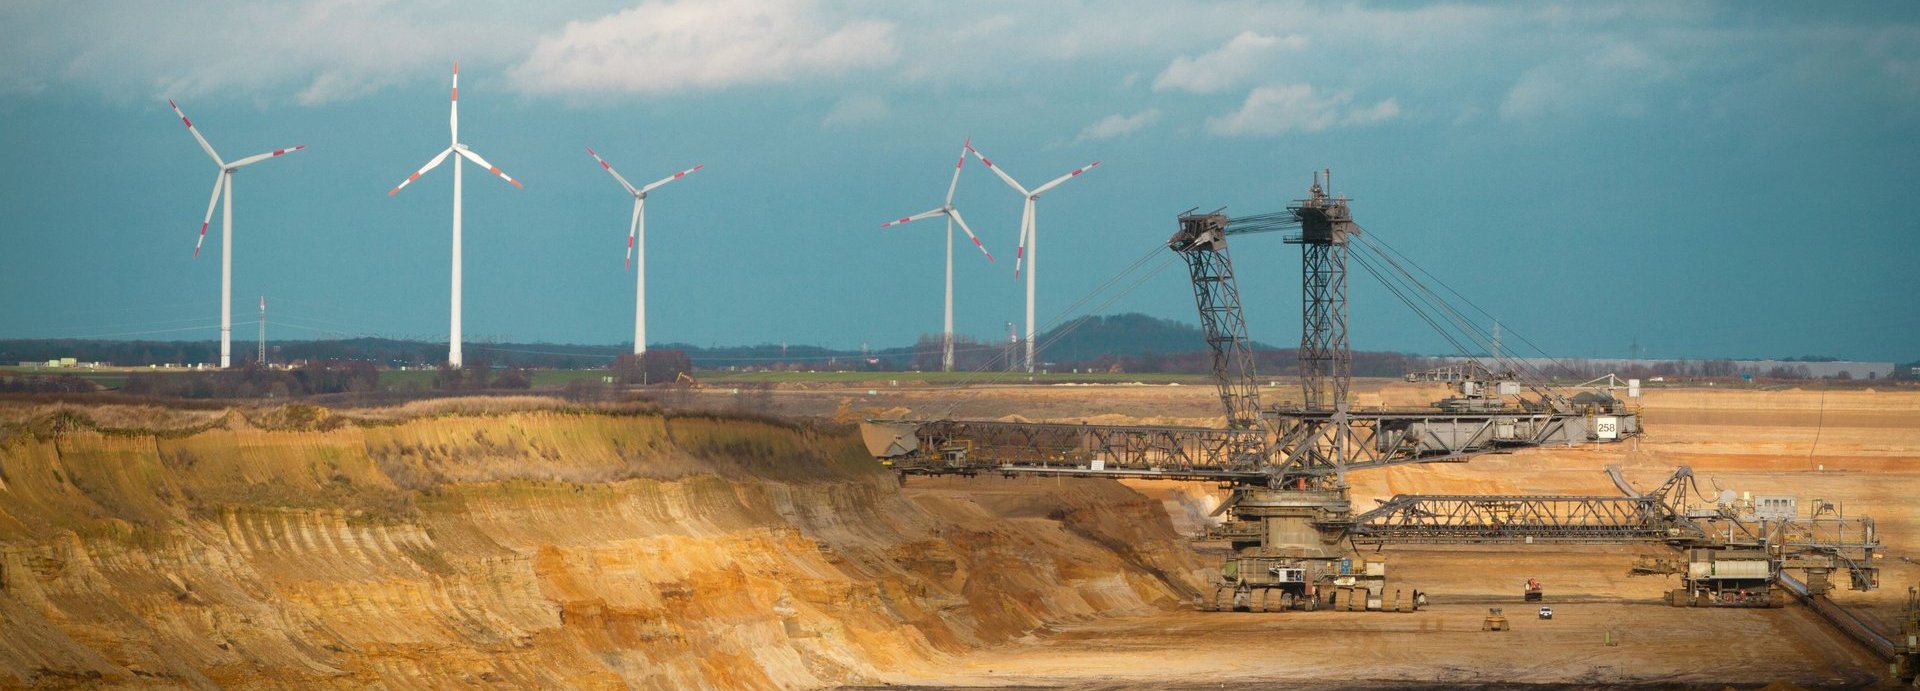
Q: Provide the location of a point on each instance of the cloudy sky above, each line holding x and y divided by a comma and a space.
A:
1706, 179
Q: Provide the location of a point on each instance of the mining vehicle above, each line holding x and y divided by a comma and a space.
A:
1289, 518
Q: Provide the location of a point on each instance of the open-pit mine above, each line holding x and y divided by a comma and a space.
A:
526, 542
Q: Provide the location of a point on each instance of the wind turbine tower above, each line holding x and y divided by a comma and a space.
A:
223, 181
453, 124
637, 243
1029, 242
953, 215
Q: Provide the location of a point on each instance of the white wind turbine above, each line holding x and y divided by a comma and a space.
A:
224, 182
952, 214
453, 338
637, 239
1029, 244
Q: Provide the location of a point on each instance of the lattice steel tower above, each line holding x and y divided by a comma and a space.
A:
1202, 242
1326, 359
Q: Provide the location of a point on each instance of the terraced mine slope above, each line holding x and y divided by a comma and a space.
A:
532, 548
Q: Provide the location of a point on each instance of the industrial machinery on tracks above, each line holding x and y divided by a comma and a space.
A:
1290, 521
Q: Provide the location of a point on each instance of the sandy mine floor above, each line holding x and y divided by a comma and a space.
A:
532, 544
1857, 448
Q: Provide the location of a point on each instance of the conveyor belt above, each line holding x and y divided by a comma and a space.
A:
1841, 619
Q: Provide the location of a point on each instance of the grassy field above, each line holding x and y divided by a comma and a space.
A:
941, 378
542, 379
111, 378
115, 377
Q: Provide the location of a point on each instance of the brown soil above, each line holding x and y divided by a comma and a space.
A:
541, 545
1867, 459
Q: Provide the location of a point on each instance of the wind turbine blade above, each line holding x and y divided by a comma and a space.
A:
1026, 228
915, 217
955, 214
1069, 176
453, 117
957, 165
471, 156
616, 174
219, 181
651, 186
422, 171
997, 171
633, 229
256, 158
196, 133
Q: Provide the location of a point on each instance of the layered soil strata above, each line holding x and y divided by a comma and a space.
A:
532, 549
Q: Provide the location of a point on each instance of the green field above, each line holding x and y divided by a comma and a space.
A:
542, 379
941, 378
113, 378
109, 378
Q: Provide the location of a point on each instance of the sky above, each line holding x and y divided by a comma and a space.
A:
1701, 179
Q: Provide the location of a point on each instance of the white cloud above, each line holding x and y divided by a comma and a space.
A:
856, 109
1538, 91
1374, 114
1241, 58
1279, 109
1116, 125
1602, 56
672, 45
1611, 77
313, 52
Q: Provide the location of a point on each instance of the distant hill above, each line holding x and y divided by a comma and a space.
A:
1129, 342
1121, 335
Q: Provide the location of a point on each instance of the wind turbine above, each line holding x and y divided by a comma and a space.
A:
637, 238
223, 181
952, 214
1029, 242
453, 122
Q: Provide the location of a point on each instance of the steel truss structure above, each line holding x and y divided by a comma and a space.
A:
1202, 242
1301, 448
1820, 542
1442, 519
1326, 358
1319, 440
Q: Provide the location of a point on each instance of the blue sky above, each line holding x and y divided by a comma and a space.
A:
1708, 179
